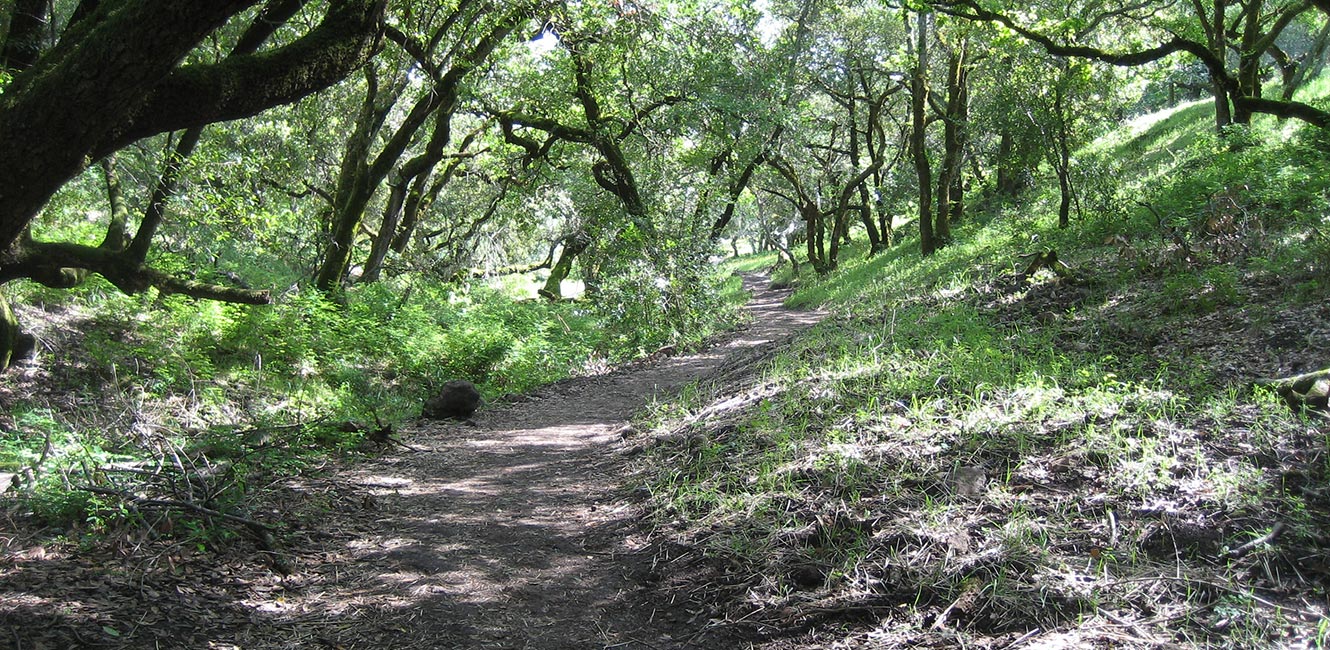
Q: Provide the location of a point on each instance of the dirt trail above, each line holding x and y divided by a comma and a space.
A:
516, 532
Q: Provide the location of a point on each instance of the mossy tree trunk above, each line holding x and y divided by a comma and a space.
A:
953, 116
363, 172
113, 75
928, 240
1309, 391
573, 247
8, 333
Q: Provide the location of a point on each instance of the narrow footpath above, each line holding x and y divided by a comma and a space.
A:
516, 531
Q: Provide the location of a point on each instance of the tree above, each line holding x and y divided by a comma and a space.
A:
459, 43
606, 114
1237, 92
954, 114
929, 237
120, 72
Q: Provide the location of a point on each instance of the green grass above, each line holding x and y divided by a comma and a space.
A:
271, 390
1112, 420
749, 263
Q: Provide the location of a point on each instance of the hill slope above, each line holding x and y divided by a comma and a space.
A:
970, 455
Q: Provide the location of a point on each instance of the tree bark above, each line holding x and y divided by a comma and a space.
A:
1008, 180
360, 177
928, 242
865, 213
1249, 63
8, 333
23, 43
1310, 66
573, 246
1062, 146
1219, 48
952, 143
1307, 391
736, 189
117, 79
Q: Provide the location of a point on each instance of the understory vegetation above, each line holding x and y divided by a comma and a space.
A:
975, 451
1070, 389
157, 405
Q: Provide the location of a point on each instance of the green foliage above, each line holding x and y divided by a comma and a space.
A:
1201, 292
646, 308
752, 262
371, 355
53, 461
1077, 398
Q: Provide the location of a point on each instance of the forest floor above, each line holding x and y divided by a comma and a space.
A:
519, 529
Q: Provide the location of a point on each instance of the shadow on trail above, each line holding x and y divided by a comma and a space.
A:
516, 533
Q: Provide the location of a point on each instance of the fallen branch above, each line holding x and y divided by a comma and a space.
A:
1268, 538
262, 532
64, 266
1310, 391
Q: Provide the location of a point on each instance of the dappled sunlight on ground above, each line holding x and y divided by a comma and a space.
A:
512, 532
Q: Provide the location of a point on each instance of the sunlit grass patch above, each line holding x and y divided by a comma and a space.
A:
963, 444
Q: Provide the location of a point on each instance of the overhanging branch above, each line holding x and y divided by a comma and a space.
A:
63, 265
971, 10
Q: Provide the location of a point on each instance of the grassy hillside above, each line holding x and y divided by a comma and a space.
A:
964, 456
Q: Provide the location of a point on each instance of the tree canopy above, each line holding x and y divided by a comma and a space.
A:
350, 141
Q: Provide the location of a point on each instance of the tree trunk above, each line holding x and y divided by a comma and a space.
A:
865, 216
957, 197
814, 237
840, 223
574, 246
1249, 62
8, 333
884, 217
732, 199
1219, 46
1062, 144
360, 177
354, 187
27, 31
1310, 66
952, 144
1008, 183
918, 137
383, 240
1064, 201
962, 119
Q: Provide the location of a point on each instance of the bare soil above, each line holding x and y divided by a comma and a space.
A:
519, 529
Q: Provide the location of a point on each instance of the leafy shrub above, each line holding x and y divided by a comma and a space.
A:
647, 307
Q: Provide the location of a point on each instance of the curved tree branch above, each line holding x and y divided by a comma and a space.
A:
115, 77
243, 86
63, 265
971, 10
